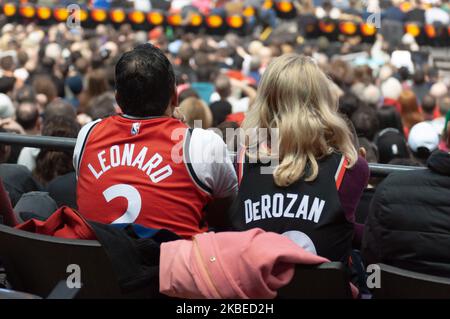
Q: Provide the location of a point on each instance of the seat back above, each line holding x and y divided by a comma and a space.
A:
12, 294
400, 283
324, 281
37, 263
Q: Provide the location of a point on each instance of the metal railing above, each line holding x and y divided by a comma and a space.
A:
64, 143
50, 142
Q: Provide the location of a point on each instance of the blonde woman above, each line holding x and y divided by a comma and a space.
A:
194, 109
312, 193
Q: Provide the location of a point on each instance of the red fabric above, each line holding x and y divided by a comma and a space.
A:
406, 132
64, 223
394, 103
437, 113
238, 75
6, 210
148, 183
236, 117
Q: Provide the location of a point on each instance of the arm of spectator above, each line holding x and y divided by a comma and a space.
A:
247, 89
247, 59
11, 126
241, 52
212, 165
353, 184
377, 47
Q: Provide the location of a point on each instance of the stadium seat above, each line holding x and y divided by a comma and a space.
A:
399, 283
37, 263
12, 294
328, 280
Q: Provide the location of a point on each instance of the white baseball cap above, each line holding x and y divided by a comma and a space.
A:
423, 134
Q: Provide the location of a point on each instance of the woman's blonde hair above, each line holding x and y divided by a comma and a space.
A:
296, 97
195, 109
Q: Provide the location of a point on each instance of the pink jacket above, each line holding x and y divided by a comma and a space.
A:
251, 264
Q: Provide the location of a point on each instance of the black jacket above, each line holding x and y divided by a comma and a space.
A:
135, 260
409, 220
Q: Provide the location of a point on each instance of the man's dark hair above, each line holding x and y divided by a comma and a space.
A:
370, 148
428, 104
145, 81
204, 74
26, 94
403, 73
60, 107
102, 106
49, 163
348, 104
419, 77
7, 84
366, 122
27, 115
389, 117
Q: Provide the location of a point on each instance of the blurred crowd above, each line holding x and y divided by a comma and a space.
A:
395, 102
55, 80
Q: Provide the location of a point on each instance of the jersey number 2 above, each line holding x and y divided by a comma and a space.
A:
133, 198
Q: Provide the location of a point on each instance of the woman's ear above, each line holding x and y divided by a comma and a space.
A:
362, 152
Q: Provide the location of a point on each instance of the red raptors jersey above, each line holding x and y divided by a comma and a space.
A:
138, 171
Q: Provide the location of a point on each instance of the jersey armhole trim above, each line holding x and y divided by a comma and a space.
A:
340, 172
190, 168
240, 164
80, 157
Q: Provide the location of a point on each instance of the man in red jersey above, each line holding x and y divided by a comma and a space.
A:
146, 167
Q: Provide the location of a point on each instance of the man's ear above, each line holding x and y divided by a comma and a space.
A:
362, 152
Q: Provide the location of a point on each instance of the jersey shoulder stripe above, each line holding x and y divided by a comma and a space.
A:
190, 168
80, 145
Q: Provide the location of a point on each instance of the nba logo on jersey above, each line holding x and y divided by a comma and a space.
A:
135, 128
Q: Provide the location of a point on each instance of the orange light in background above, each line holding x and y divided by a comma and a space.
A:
285, 6
83, 15
368, 29
235, 21
347, 27
327, 27
155, 18
430, 30
98, 15
9, 9
249, 12
44, 13
196, 20
214, 21
136, 17
60, 14
412, 29
174, 20
405, 6
268, 4
27, 11
117, 16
